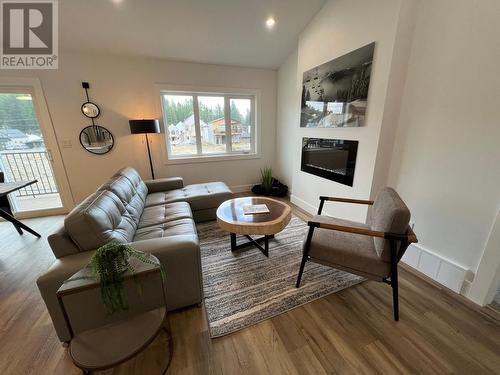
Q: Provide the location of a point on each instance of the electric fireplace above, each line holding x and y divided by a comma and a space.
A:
334, 159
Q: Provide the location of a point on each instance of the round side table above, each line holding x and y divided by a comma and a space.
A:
112, 344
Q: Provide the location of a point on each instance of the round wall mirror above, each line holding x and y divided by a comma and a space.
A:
90, 110
96, 139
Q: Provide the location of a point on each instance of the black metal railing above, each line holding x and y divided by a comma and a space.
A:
29, 165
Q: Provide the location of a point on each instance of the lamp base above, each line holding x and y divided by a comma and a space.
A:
150, 160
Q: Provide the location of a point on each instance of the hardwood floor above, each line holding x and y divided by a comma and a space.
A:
348, 332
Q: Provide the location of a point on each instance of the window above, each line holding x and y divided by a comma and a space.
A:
208, 124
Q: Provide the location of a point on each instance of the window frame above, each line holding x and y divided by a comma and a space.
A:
228, 94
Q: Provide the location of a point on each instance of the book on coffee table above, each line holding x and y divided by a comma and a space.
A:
251, 209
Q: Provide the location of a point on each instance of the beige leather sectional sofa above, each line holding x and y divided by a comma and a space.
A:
156, 216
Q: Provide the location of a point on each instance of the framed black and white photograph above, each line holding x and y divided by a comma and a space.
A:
335, 94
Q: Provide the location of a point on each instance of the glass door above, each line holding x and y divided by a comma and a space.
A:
24, 154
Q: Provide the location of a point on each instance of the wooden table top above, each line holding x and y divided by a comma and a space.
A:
118, 341
115, 343
230, 216
9, 187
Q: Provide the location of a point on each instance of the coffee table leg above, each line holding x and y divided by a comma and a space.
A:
233, 242
252, 242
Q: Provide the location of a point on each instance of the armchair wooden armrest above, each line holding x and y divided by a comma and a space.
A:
410, 237
323, 199
343, 228
346, 200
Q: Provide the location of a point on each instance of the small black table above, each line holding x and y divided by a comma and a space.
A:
5, 211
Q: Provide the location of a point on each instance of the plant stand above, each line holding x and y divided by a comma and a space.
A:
113, 344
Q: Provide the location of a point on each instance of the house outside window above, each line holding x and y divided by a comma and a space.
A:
197, 124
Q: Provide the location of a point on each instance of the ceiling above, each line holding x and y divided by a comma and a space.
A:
230, 32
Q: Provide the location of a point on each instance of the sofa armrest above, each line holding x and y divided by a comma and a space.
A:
179, 256
49, 282
61, 243
164, 184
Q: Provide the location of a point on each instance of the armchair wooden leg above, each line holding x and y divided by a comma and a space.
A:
395, 299
305, 255
394, 281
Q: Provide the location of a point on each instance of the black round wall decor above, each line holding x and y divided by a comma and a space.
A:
96, 139
91, 110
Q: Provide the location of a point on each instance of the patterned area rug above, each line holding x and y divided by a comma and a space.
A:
244, 287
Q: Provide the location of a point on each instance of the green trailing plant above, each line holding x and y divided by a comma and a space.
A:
266, 177
108, 264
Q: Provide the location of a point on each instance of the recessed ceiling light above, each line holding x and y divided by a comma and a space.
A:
117, 1
270, 22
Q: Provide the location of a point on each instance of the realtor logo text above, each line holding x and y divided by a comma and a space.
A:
29, 34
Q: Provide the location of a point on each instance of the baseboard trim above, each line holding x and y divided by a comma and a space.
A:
485, 311
241, 188
438, 268
303, 204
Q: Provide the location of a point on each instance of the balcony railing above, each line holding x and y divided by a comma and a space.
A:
29, 165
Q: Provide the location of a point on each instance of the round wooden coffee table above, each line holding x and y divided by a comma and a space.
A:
230, 217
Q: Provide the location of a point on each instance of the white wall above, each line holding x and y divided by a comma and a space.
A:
340, 27
124, 89
487, 280
287, 114
432, 124
395, 87
446, 158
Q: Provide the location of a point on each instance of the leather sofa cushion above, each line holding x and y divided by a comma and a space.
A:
100, 218
168, 229
131, 197
164, 184
199, 196
163, 214
133, 176
180, 257
349, 251
389, 214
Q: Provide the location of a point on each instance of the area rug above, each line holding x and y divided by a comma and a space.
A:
245, 287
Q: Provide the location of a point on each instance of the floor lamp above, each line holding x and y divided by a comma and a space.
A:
145, 127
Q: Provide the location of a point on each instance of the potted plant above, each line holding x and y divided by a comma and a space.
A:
266, 178
108, 264
269, 185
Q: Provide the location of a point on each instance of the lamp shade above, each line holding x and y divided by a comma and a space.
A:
144, 126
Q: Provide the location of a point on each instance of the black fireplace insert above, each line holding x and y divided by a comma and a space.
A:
334, 159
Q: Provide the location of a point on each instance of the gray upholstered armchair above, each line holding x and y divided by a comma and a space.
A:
369, 250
